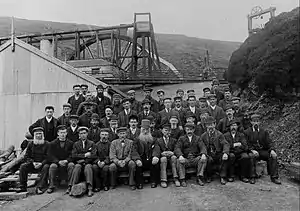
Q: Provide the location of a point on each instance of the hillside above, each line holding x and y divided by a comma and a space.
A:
183, 52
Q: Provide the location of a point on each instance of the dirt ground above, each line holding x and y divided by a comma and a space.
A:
264, 195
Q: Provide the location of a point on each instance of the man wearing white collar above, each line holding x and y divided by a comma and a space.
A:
124, 115
133, 131
214, 110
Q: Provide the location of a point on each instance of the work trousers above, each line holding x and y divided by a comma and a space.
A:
114, 169
56, 170
271, 163
217, 160
88, 174
27, 168
101, 173
148, 166
192, 162
243, 160
163, 167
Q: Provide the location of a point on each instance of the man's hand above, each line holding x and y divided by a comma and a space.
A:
225, 156
100, 164
203, 157
122, 163
170, 153
238, 144
62, 162
164, 154
255, 153
80, 161
139, 163
37, 165
273, 154
88, 154
181, 159
155, 160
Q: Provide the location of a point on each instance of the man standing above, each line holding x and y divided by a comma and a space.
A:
192, 108
261, 147
113, 125
175, 131
214, 110
72, 132
144, 157
108, 113
206, 93
238, 152
85, 118
48, 123
83, 154
200, 127
60, 157
120, 155
117, 104
135, 105
76, 99
217, 150
146, 104
101, 100
223, 125
133, 132
227, 99
84, 89
124, 115
203, 103
191, 152
154, 103
165, 114
64, 119
179, 108
94, 130
180, 93
101, 164
215, 89
35, 161
165, 151
161, 96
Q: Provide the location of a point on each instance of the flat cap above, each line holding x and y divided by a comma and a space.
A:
235, 98
160, 91
211, 96
190, 125
95, 116
255, 116
38, 129
173, 117
131, 91
145, 101
190, 90
100, 86
147, 89
190, 114
113, 118
166, 125
121, 129
234, 121
227, 89
126, 99
67, 105
167, 98
109, 107
74, 116
206, 89
76, 85
202, 99
179, 90
84, 85
61, 127
133, 116
82, 128
49, 107
210, 120
177, 98
89, 103
116, 95
104, 130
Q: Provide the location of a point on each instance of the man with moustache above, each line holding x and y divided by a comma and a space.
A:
101, 164
223, 125
108, 113
191, 152
215, 89
76, 99
85, 118
214, 110
101, 100
165, 114
192, 108
153, 102
65, 118
144, 156
123, 116
200, 127
84, 89
72, 132
94, 130
113, 128
146, 111
135, 104
35, 160
227, 98
238, 152
179, 108
133, 131
161, 96
217, 150
60, 157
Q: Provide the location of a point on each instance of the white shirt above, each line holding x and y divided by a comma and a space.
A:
133, 130
166, 140
48, 120
190, 138
73, 128
99, 99
193, 109
76, 97
254, 129
127, 111
213, 107
168, 110
83, 144
233, 135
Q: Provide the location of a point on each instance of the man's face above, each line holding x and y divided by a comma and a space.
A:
132, 96
84, 90
180, 94
178, 103
190, 120
49, 113
83, 135
255, 122
133, 123
203, 116
147, 94
113, 123
234, 127
67, 110
62, 134
126, 105
104, 136
168, 103
206, 93
117, 100
173, 121
76, 90
227, 95
192, 101
236, 103
146, 106
145, 131
94, 122
202, 104
108, 112
160, 95
38, 135
189, 131
213, 101
152, 124
88, 108
210, 127
230, 112
122, 135
215, 87
100, 91
166, 132
74, 122
88, 96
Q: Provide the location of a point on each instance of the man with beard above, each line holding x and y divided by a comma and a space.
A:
35, 161
135, 105
214, 110
108, 113
238, 152
153, 129
227, 98
154, 103
133, 132
179, 108
215, 89
85, 118
191, 152
161, 96
120, 154
72, 132
113, 125
124, 115
83, 154
84, 89
116, 104
48, 123
217, 150
101, 164
101, 100
146, 104
175, 131
192, 108
64, 119
165, 151
261, 147
76, 99
165, 114
180, 94
60, 157
200, 127
144, 156
223, 125
94, 130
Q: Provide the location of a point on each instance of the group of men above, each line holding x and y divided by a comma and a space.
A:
96, 138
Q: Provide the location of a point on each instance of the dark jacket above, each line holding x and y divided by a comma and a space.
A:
217, 113
162, 147
78, 151
85, 119
164, 117
37, 153
144, 151
117, 108
75, 103
111, 135
239, 137
136, 105
199, 130
258, 140
104, 122
215, 144
103, 152
132, 136
56, 153
142, 116
101, 105
197, 113
94, 134
176, 133
223, 125
73, 136
50, 132
189, 149
124, 119
63, 120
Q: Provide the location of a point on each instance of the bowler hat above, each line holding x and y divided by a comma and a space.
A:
177, 98
145, 123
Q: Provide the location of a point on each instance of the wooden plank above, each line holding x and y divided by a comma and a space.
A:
9, 196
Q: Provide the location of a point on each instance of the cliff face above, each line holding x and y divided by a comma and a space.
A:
269, 59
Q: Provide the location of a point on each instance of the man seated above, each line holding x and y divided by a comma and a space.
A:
133, 132
238, 152
60, 157
144, 157
94, 130
113, 126
191, 152
217, 150
72, 130
83, 154
165, 151
261, 147
101, 164
123, 116
120, 155
35, 161
223, 125
200, 127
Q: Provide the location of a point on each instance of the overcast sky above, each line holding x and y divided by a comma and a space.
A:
212, 19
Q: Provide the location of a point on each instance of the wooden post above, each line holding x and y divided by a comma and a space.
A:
77, 45
144, 54
149, 57
54, 41
98, 47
